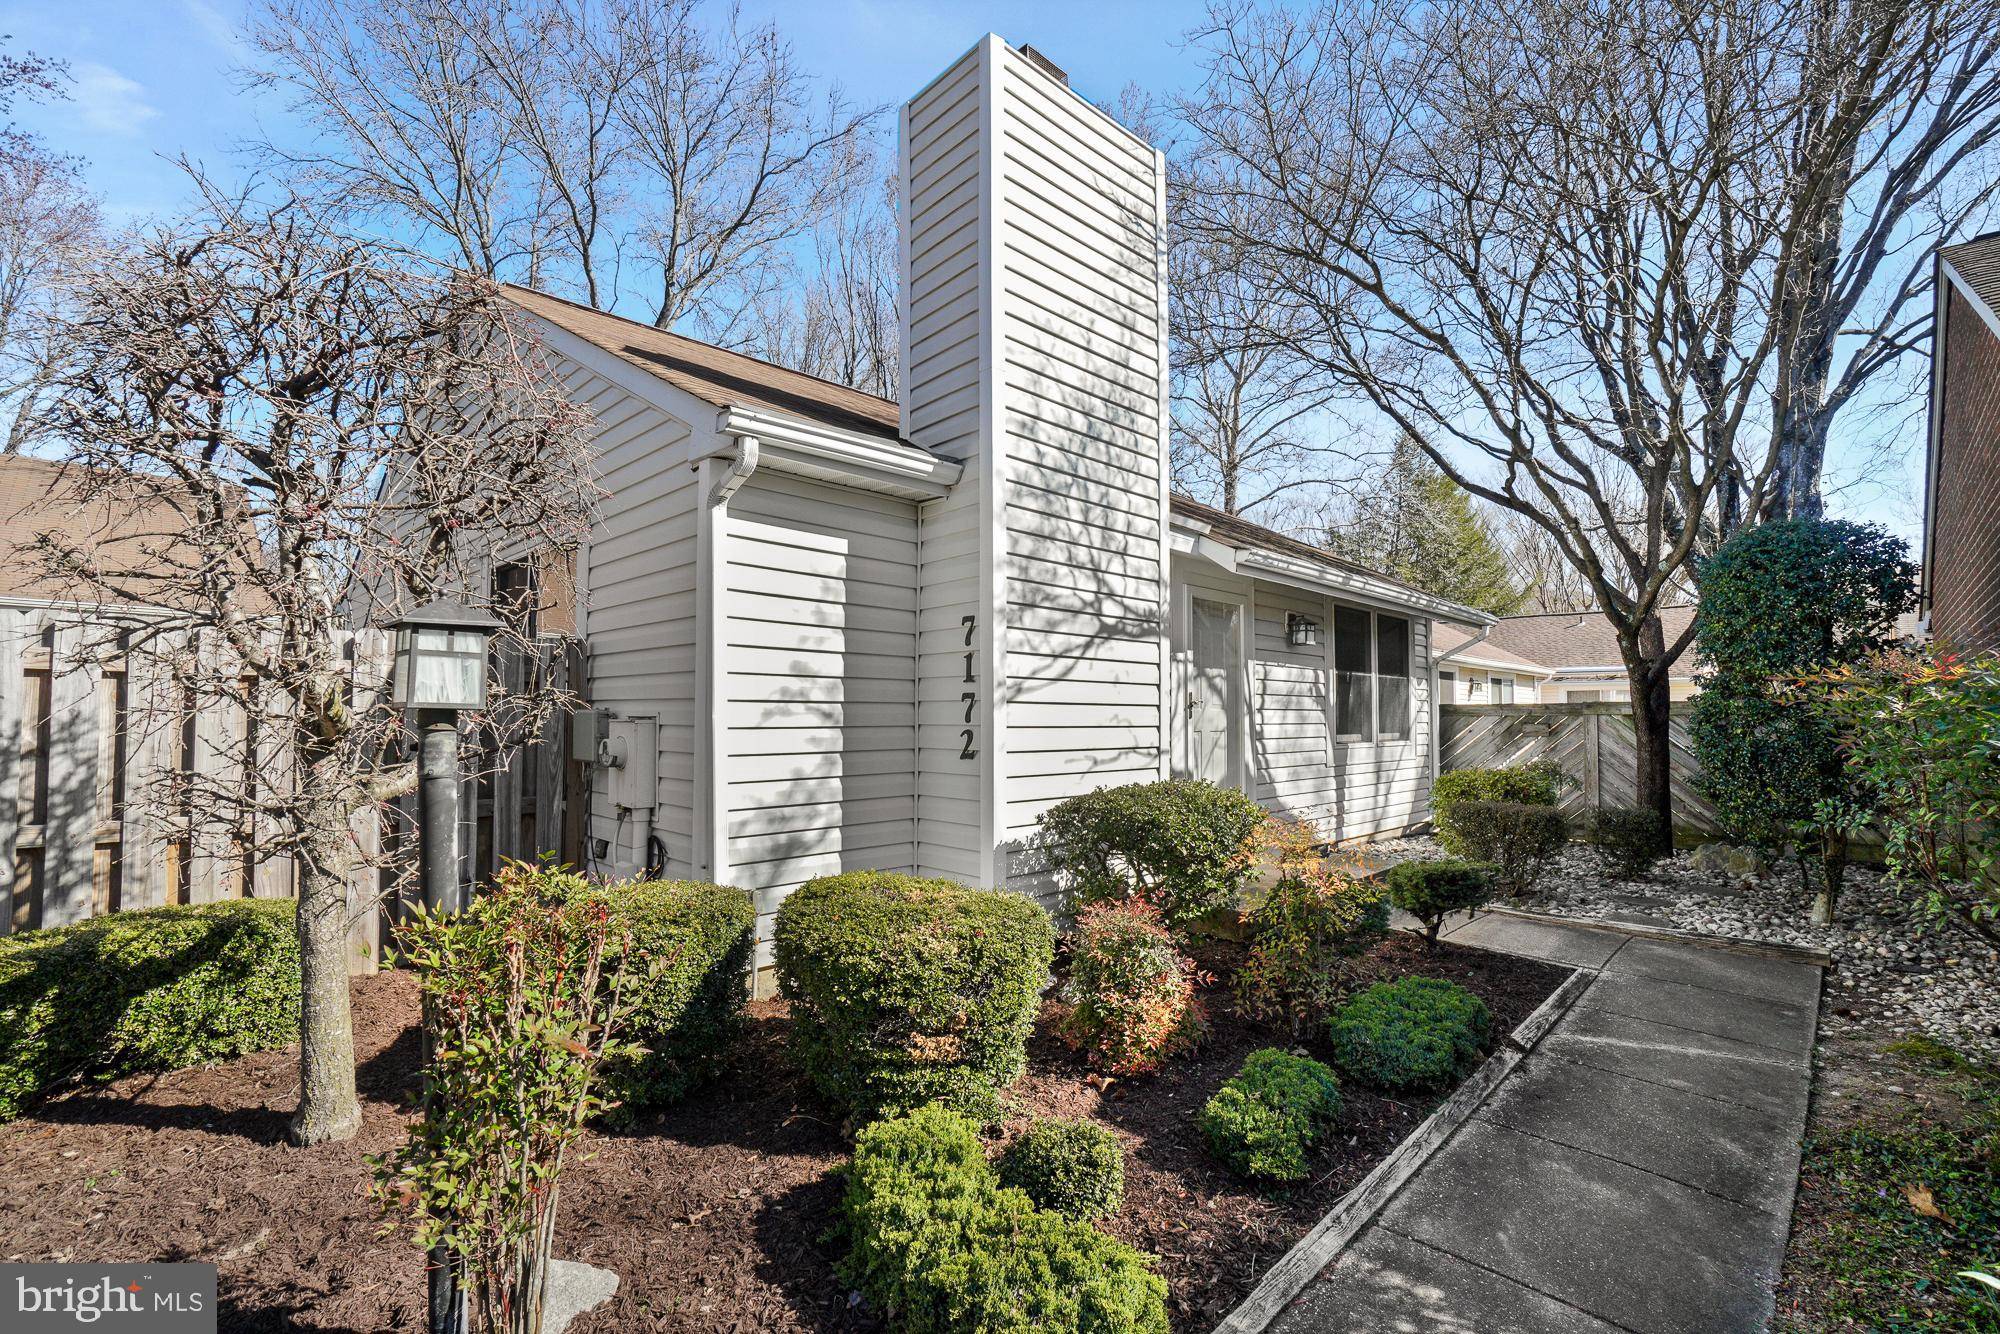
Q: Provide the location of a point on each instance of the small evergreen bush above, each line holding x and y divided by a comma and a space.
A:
1628, 839
689, 948
1537, 784
151, 990
1433, 891
938, 1245
1517, 839
1265, 1120
1184, 846
1130, 991
1310, 924
1073, 1167
1415, 1032
906, 991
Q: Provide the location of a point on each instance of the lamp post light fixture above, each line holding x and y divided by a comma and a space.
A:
440, 672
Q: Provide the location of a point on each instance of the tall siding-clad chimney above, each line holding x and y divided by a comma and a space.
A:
1034, 352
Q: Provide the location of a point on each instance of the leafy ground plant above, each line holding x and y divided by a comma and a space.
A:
1897, 1212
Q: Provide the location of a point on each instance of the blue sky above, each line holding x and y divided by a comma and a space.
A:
157, 79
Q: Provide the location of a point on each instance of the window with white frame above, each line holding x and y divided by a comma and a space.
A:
1392, 677
1503, 690
1353, 674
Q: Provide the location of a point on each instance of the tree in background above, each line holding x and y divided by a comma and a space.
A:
641, 150
1781, 602
1571, 249
321, 426
1415, 524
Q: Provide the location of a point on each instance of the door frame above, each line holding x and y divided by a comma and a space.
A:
1244, 598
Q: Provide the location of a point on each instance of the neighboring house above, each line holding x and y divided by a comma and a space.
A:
1961, 575
829, 632
1556, 658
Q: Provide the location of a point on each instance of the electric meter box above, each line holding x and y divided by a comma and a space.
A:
633, 770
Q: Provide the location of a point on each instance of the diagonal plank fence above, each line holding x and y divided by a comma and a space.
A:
88, 730
1595, 744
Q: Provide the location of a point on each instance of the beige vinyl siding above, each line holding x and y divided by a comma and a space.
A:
817, 702
946, 395
1080, 334
639, 573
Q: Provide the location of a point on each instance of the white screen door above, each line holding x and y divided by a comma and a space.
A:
1215, 691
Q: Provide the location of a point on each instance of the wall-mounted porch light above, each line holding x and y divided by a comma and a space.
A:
1301, 631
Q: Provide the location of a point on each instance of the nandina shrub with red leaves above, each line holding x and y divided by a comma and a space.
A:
1131, 992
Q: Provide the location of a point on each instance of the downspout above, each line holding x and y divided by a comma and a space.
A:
711, 816
742, 463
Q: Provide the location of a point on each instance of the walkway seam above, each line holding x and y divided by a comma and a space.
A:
1395, 1231
1360, 1206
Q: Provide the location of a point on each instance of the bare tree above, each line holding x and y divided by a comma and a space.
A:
1891, 138
1545, 576
1545, 239
317, 423
608, 149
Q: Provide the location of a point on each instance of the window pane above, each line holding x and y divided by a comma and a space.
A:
1392, 667
1354, 696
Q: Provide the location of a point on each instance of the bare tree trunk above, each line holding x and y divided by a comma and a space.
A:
1652, 701
328, 1106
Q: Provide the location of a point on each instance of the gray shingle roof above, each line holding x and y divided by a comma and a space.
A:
1568, 639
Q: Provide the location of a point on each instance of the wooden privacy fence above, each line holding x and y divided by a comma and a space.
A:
1595, 743
87, 731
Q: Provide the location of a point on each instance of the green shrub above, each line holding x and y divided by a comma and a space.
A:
1517, 839
690, 945
1310, 924
1628, 839
152, 990
937, 1244
906, 991
1182, 845
1537, 784
1415, 1032
1266, 1119
1073, 1167
1433, 891
1130, 990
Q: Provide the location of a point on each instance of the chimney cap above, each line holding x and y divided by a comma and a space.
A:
1045, 65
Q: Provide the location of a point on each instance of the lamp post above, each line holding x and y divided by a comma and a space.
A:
440, 673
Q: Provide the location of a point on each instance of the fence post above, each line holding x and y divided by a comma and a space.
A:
1593, 774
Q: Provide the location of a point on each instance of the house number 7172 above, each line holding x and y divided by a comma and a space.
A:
967, 751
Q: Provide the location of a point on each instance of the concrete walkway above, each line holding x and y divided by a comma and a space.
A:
1634, 1172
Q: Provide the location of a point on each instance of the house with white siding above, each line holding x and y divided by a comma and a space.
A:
830, 632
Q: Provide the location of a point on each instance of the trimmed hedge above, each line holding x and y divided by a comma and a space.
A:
1537, 784
1073, 1167
690, 946
151, 990
906, 991
937, 1244
1184, 846
1628, 839
1131, 992
1433, 891
1415, 1032
1266, 1119
1517, 839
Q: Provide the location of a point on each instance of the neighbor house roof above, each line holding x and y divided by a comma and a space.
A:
126, 539
1977, 265
1560, 641
712, 374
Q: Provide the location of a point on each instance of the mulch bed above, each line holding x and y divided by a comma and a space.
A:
714, 1214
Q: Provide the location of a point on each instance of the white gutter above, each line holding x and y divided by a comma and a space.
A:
1357, 586
813, 449
742, 463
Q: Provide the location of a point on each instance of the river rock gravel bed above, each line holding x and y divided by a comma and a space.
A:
1895, 967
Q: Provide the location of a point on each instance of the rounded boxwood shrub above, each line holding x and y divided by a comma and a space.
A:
1433, 891
686, 982
1074, 1167
1415, 1032
1517, 839
1185, 846
906, 991
151, 990
937, 1244
1130, 990
1537, 784
1628, 839
1266, 1119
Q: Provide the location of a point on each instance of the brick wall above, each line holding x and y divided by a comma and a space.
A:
1965, 547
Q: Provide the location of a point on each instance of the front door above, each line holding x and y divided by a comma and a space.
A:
1215, 691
